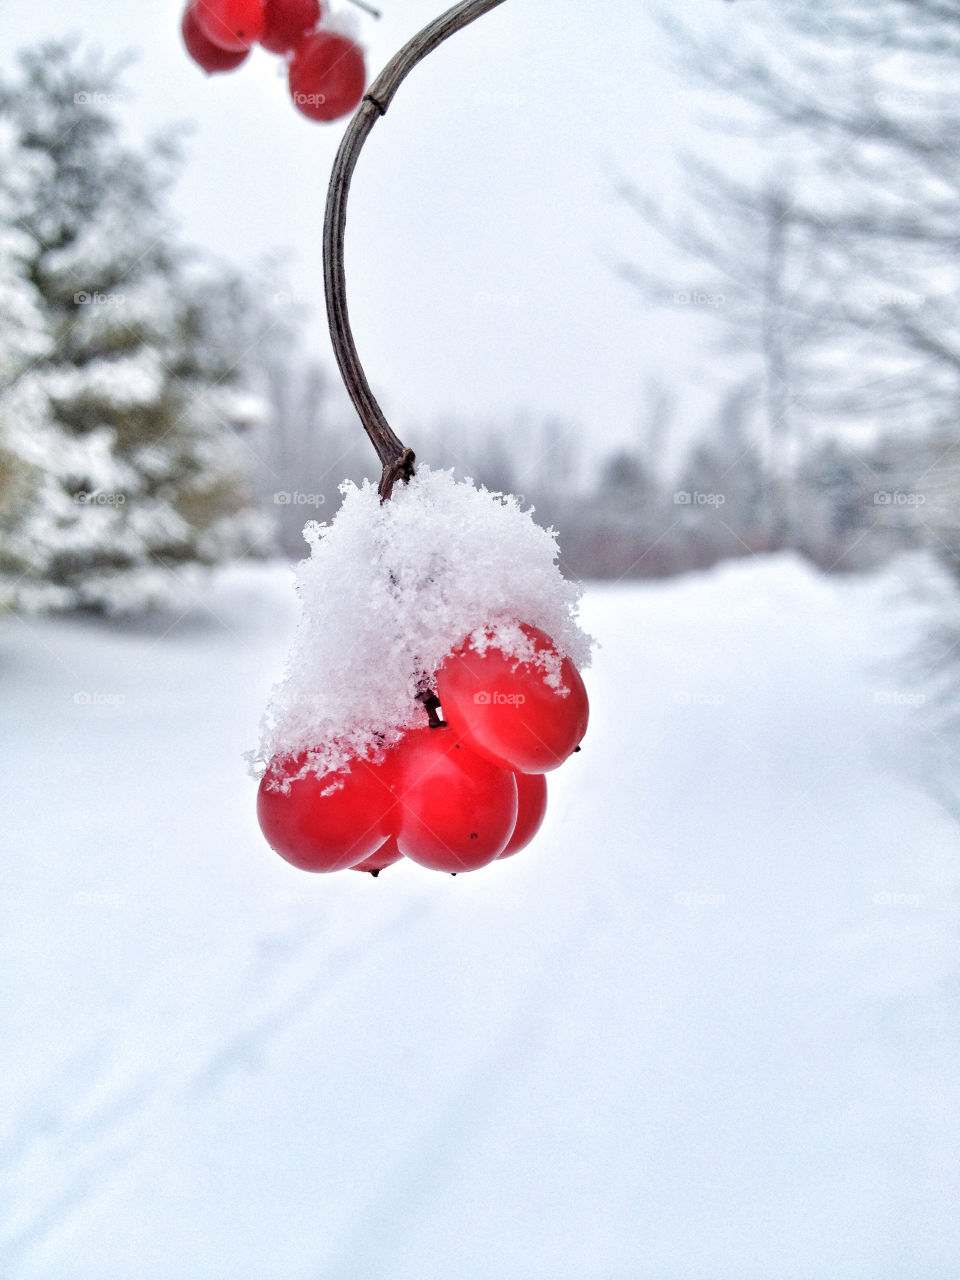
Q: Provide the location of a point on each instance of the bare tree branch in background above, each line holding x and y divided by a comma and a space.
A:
837, 260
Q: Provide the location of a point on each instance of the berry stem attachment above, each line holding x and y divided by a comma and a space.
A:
396, 459
431, 705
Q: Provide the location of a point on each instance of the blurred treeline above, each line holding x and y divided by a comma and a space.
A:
159, 413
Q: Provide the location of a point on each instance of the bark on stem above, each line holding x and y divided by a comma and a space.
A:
396, 459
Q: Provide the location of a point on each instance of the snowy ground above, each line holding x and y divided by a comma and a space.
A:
704, 1029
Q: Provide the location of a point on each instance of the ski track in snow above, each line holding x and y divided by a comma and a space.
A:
97, 1127
705, 1027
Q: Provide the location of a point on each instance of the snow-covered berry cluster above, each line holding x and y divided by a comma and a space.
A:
446, 602
326, 70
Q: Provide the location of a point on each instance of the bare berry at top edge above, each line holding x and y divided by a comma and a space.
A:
231, 24
286, 22
204, 52
327, 76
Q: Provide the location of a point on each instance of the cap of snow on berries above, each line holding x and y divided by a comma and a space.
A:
392, 589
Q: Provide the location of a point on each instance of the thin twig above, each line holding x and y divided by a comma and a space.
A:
397, 461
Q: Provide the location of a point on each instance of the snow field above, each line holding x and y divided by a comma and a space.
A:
704, 1028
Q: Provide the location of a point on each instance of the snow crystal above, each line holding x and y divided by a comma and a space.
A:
389, 590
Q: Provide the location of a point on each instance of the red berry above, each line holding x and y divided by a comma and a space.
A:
327, 76
385, 856
507, 712
322, 829
204, 52
531, 808
285, 22
231, 24
457, 810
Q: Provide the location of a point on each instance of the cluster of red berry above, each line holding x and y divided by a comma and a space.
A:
452, 796
327, 73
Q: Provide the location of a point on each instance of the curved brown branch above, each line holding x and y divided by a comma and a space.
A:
397, 461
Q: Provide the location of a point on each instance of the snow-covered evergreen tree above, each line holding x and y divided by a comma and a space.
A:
122, 401
23, 340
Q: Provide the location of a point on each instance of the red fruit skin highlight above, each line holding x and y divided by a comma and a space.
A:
327, 76
231, 24
207, 55
326, 823
457, 810
286, 22
507, 712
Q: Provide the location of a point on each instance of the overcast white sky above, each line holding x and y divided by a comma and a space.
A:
483, 225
